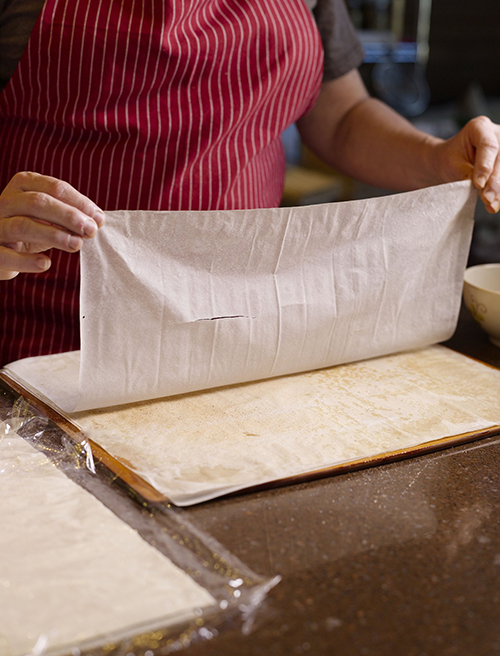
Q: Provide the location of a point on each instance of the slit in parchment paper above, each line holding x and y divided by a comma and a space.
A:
233, 316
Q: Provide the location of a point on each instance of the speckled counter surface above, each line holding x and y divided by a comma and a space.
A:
398, 560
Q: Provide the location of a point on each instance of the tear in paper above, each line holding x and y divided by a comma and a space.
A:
173, 302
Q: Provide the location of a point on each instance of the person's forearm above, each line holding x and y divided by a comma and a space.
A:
365, 139
376, 145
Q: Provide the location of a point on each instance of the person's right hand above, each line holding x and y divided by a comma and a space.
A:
38, 212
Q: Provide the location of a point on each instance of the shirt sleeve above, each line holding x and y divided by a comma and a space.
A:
17, 19
343, 49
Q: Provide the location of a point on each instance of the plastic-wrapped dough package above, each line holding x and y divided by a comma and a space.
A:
88, 564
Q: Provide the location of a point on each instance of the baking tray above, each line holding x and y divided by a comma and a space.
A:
124, 471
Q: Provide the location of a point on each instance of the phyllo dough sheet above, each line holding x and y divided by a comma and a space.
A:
70, 570
199, 446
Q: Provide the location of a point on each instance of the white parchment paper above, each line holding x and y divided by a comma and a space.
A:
173, 302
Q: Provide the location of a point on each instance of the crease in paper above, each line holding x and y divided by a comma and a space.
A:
174, 302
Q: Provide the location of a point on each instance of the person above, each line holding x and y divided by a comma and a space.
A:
180, 105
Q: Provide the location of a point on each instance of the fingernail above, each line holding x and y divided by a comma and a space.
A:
42, 263
74, 242
99, 218
495, 206
489, 197
90, 228
481, 180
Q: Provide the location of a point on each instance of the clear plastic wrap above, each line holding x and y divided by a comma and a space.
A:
236, 591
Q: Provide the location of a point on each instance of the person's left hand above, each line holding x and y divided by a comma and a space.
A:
474, 153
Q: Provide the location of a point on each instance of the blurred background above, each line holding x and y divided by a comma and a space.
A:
437, 62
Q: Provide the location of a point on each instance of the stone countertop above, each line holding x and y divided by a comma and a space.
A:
397, 560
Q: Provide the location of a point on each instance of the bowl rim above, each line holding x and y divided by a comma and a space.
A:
490, 265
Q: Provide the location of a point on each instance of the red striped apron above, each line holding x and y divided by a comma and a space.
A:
149, 104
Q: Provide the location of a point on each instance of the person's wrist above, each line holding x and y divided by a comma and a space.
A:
432, 156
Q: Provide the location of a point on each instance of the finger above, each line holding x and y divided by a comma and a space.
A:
41, 206
37, 236
491, 193
28, 181
11, 263
484, 139
17, 246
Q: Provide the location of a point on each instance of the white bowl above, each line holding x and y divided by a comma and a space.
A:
482, 297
